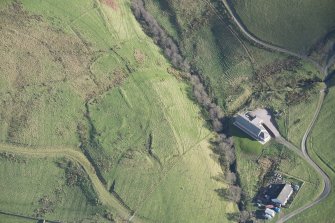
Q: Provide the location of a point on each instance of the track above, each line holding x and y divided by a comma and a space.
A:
303, 152
104, 196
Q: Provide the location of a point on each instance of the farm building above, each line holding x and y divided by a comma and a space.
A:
270, 212
282, 193
253, 126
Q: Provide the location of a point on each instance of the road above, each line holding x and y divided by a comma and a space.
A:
263, 43
104, 195
303, 152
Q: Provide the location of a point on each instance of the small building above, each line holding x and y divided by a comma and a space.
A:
269, 212
283, 193
253, 126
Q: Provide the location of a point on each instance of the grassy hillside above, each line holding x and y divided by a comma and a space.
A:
40, 64
207, 43
235, 72
30, 190
167, 146
240, 75
296, 25
84, 73
298, 121
321, 147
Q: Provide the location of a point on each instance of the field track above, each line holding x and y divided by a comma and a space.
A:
104, 196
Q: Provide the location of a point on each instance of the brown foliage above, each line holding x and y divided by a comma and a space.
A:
289, 64
111, 3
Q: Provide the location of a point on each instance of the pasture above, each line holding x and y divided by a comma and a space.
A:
100, 83
295, 25
229, 64
85, 76
163, 133
240, 75
321, 148
298, 118
38, 187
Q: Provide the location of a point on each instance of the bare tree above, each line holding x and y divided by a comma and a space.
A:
224, 144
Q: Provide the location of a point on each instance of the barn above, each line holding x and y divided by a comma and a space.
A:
283, 193
253, 126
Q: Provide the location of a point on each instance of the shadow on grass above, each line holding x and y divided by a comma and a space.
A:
329, 80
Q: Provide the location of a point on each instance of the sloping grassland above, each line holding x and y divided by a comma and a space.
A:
241, 75
82, 74
296, 25
237, 73
321, 148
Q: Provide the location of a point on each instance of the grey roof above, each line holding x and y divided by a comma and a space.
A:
270, 212
285, 193
242, 121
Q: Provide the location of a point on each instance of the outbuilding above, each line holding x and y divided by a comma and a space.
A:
270, 212
284, 192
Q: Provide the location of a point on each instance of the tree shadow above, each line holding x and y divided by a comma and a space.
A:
235, 131
259, 214
329, 80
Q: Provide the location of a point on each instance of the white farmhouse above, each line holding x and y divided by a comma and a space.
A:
253, 126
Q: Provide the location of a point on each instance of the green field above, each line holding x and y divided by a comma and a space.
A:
229, 64
35, 183
240, 75
298, 119
105, 125
178, 145
99, 83
295, 25
321, 147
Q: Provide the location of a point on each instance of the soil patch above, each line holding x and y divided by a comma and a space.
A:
111, 3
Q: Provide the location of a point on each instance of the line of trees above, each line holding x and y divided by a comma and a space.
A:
223, 145
160, 37
172, 52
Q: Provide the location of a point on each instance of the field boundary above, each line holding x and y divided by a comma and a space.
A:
27, 217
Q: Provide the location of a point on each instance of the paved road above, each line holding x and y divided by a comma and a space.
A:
303, 152
104, 195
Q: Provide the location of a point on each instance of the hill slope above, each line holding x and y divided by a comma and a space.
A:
84, 73
297, 25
